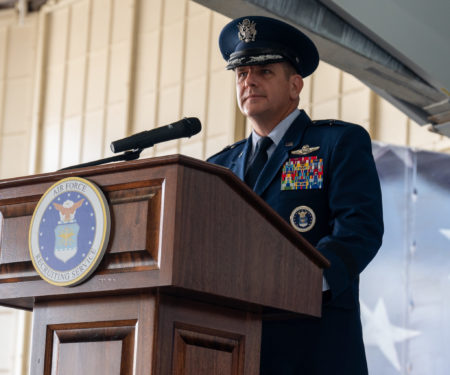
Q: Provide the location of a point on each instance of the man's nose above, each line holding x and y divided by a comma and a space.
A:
250, 79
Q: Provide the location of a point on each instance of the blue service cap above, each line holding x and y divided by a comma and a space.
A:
257, 40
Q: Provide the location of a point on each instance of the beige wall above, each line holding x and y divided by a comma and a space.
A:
81, 73
17, 72
111, 68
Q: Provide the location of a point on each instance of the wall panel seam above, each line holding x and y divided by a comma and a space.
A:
4, 79
3, 88
132, 68
207, 83
88, 45
39, 89
158, 67
107, 73
183, 65
64, 86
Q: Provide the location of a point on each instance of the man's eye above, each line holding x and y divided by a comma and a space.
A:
266, 71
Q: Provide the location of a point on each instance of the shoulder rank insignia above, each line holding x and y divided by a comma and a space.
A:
227, 148
305, 150
330, 122
302, 173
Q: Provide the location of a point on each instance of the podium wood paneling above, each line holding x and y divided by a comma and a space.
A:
116, 335
206, 339
103, 335
194, 262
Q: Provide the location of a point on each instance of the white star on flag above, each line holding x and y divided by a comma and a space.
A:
445, 232
378, 331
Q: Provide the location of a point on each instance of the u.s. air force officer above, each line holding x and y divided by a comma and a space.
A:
319, 176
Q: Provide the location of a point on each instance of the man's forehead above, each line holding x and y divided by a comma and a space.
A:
259, 66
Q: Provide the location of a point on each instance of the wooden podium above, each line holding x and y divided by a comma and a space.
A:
195, 262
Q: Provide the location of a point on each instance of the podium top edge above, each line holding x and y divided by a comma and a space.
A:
186, 161
108, 168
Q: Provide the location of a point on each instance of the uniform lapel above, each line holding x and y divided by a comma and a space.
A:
238, 164
291, 140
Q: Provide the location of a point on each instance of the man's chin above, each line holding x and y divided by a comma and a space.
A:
253, 109
251, 112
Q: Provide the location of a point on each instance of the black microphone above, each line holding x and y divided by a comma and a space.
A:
186, 127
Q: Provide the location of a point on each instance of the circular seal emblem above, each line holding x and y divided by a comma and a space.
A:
303, 218
69, 231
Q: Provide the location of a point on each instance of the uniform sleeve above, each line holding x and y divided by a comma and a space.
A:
355, 205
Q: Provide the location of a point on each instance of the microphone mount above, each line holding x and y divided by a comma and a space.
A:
126, 156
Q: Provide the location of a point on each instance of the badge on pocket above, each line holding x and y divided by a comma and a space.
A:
303, 218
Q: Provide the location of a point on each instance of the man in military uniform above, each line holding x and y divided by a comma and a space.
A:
319, 176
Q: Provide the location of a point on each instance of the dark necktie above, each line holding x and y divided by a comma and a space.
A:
258, 162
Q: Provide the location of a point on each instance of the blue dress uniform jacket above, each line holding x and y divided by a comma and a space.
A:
348, 231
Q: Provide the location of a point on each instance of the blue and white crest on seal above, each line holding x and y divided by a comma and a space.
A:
303, 218
69, 231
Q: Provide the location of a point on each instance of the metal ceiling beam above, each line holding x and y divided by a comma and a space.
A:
32, 5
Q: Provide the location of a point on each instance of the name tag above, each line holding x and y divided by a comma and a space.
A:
302, 173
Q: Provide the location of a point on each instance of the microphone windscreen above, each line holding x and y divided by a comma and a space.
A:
194, 125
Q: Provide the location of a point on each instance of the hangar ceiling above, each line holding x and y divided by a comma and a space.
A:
399, 48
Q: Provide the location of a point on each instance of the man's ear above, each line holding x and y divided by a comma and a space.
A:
296, 84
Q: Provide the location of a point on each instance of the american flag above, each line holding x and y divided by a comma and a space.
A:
405, 290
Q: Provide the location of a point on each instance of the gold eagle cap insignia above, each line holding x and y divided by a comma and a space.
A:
305, 150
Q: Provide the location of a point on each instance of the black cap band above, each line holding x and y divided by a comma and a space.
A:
262, 56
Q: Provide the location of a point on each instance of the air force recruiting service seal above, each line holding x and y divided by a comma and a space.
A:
69, 231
